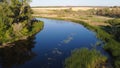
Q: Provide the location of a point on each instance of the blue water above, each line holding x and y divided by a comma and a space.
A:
51, 46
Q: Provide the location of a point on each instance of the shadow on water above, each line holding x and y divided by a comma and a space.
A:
17, 54
50, 47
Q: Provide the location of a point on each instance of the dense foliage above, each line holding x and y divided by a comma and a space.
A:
15, 20
85, 58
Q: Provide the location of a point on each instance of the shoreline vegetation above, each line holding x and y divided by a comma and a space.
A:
105, 24
85, 58
16, 22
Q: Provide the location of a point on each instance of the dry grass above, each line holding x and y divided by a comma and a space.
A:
63, 8
77, 13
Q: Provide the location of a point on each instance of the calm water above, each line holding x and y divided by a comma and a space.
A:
49, 47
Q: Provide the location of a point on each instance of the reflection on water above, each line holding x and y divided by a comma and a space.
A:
68, 39
17, 54
50, 47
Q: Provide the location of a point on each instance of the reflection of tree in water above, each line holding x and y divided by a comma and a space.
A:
18, 54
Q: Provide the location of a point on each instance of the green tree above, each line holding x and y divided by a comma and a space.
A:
20, 11
16, 20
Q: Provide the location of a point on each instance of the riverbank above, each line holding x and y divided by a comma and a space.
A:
36, 27
16, 22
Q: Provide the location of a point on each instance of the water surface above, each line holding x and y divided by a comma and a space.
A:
49, 48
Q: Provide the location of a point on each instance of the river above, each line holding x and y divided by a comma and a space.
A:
50, 47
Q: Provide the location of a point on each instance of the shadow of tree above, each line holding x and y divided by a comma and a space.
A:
17, 53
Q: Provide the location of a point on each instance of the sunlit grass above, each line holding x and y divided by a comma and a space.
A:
85, 58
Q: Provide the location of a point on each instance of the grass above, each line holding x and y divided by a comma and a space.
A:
85, 58
37, 26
